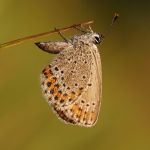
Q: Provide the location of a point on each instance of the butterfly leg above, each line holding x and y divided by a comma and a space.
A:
63, 37
81, 29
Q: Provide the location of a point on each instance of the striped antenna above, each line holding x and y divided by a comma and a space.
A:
115, 18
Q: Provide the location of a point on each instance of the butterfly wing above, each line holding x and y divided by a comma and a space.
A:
84, 111
67, 76
90, 100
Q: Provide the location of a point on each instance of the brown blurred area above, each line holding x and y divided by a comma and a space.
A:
26, 120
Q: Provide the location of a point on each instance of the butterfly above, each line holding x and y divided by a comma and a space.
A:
72, 81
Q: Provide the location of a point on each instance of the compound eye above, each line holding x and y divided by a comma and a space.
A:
97, 39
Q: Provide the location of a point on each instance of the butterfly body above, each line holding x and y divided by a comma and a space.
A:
72, 82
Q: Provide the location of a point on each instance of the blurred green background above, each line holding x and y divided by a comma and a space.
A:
26, 120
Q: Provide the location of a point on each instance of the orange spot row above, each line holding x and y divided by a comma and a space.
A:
77, 110
47, 72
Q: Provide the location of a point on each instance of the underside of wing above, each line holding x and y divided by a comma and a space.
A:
67, 76
84, 111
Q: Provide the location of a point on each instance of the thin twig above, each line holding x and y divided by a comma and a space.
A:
33, 37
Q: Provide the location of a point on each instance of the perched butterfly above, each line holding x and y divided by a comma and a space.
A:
72, 82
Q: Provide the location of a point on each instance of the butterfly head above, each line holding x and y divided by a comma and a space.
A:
95, 37
90, 38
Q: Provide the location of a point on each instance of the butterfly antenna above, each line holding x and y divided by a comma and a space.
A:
115, 18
